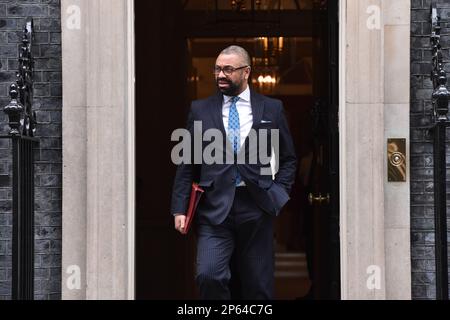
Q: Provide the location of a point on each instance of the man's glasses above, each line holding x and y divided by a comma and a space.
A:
227, 70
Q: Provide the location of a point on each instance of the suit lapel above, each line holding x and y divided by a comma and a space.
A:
217, 113
257, 104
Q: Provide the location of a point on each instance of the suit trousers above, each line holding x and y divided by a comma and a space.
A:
247, 235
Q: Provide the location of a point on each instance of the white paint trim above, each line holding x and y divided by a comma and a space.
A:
342, 146
131, 142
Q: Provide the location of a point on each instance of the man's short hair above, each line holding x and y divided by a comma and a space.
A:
237, 50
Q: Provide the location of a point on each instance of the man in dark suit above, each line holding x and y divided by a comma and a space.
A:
235, 214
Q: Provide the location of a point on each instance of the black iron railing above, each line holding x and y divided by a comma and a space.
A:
440, 100
22, 128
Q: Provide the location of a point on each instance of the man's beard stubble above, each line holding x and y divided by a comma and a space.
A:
232, 90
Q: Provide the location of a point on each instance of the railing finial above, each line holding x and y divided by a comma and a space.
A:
21, 116
14, 110
441, 95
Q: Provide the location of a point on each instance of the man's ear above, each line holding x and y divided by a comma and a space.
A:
249, 71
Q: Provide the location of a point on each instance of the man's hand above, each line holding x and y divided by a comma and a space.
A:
180, 222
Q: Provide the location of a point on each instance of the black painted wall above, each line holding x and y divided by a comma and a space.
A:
422, 200
47, 103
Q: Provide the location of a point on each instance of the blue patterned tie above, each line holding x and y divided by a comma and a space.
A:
234, 131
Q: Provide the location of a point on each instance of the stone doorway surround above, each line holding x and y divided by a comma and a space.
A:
98, 149
99, 142
374, 106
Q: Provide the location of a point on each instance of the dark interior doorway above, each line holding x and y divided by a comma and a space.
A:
176, 45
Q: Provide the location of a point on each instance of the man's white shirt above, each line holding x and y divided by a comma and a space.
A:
244, 109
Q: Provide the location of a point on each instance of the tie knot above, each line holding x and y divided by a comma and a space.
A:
234, 99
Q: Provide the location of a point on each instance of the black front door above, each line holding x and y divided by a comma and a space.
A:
323, 191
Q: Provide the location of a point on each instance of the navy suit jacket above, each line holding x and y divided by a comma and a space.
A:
218, 179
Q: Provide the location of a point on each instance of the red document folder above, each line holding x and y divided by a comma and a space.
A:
196, 194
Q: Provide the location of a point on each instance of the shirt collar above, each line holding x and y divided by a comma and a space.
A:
245, 96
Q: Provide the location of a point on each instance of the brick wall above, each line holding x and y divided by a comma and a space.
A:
422, 200
47, 103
